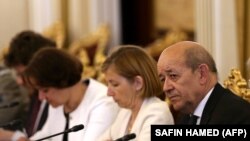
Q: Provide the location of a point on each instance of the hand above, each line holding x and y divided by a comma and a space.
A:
23, 139
5, 135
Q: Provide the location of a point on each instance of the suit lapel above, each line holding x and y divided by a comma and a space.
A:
211, 104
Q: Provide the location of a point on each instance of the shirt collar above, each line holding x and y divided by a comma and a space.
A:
198, 111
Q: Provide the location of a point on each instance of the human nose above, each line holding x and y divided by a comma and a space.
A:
168, 85
110, 92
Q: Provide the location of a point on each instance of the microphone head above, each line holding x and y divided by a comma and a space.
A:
76, 128
13, 125
13, 104
16, 123
129, 136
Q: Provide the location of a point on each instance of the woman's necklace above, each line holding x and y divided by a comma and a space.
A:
131, 122
130, 125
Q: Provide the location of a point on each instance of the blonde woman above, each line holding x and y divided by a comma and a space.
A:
133, 83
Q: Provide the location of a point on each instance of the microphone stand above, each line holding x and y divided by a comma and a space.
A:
51, 136
73, 129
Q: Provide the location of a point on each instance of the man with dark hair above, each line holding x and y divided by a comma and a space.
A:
22, 47
13, 101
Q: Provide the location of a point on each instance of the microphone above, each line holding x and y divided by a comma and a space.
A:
126, 137
13, 104
12, 124
73, 129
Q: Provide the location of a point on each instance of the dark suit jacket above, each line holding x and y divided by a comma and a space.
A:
223, 107
11, 92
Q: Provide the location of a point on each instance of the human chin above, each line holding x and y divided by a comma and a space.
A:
123, 105
53, 104
177, 105
120, 104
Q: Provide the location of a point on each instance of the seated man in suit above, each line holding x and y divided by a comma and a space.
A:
13, 101
22, 47
190, 81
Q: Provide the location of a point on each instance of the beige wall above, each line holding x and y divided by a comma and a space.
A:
174, 14
13, 19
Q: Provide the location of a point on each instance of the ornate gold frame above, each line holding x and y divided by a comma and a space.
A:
237, 84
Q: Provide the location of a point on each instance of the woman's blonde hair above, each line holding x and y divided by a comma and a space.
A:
131, 61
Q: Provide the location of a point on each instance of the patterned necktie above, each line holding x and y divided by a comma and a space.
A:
192, 119
33, 112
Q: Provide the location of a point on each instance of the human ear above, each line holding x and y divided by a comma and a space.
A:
138, 83
204, 72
